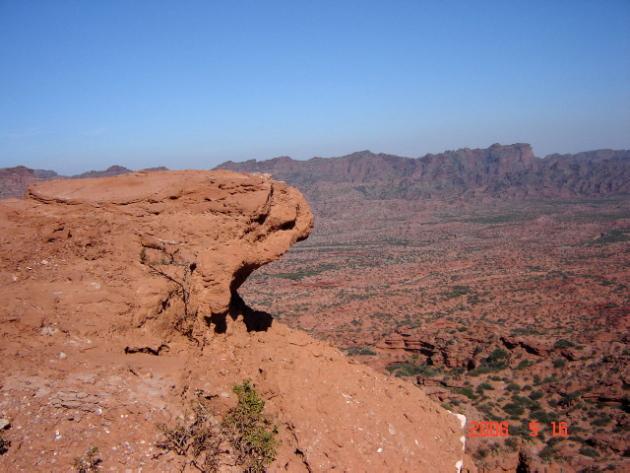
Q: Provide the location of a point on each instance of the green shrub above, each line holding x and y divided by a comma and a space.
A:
251, 432
563, 343
520, 430
511, 443
405, 368
568, 399
360, 351
514, 387
480, 453
515, 410
559, 363
535, 395
589, 452
466, 391
600, 421
548, 453
496, 361
456, 291
524, 364
483, 387
542, 416
525, 402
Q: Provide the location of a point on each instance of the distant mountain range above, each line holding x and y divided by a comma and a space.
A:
15, 181
505, 171
499, 171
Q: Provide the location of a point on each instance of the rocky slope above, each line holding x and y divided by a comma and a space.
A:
511, 171
120, 310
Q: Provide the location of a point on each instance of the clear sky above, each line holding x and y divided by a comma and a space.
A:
86, 84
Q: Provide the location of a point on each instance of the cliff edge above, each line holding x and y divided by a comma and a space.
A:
121, 307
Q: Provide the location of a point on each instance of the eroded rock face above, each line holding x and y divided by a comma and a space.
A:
194, 236
99, 277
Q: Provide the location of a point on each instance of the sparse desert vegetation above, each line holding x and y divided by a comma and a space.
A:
513, 310
250, 431
89, 462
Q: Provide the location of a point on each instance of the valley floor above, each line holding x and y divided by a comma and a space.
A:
513, 311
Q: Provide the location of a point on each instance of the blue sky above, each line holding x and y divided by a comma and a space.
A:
87, 84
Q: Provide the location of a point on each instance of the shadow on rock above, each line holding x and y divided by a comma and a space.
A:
255, 320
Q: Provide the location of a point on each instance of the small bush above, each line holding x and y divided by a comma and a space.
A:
361, 351
496, 361
411, 369
4, 445
563, 343
483, 387
89, 462
466, 391
515, 410
251, 432
542, 416
511, 443
197, 440
520, 430
481, 453
600, 421
456, 291
548, 453
559, 363
524, 364
589, 452
525, 402
514, 387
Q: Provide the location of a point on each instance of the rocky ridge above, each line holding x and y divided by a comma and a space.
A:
499, 171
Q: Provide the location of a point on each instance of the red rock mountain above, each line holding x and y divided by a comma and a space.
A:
497, 171
501, 171
114, 170
14, 181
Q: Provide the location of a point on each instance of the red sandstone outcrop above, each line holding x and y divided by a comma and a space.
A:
115, 297
190, 238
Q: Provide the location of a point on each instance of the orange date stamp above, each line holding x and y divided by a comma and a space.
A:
490, 428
